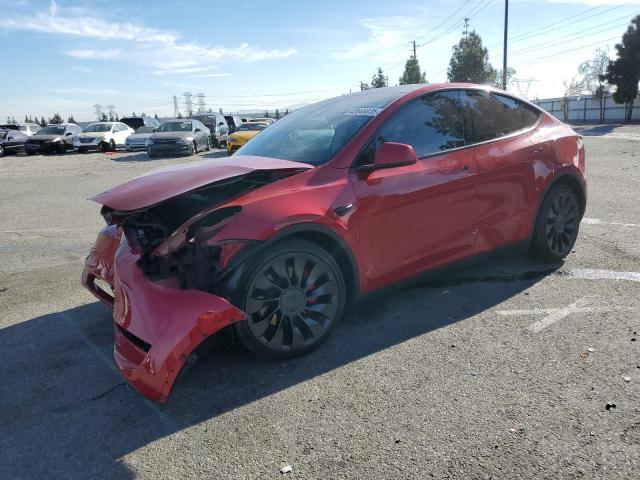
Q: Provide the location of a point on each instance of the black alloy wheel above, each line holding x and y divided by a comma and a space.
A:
557, 225
293, 298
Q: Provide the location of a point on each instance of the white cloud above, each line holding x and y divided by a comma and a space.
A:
211, 75
107, 54
159, 50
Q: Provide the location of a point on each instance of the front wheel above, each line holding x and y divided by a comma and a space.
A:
556, 228
192, 149
1, 151
294, 296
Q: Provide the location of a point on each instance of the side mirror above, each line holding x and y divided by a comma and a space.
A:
391, 154
197, 130
68, 134
154, 130
220, 124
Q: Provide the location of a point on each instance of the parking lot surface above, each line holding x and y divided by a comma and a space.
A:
509, 369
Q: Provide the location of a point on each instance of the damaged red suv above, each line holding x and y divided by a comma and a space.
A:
333, 202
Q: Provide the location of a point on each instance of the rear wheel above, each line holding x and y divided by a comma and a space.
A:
112, 146
294, 296
556, 228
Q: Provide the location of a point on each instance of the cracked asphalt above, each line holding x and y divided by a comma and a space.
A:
508, 369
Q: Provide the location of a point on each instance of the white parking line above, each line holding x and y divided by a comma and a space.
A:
552, 315
595, 274
597, 221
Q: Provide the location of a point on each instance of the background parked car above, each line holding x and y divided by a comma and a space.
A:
53, 138
175, 137
217, 124
138, 140
233, 122
141, 121
262, 120
245, 132
11, 141
26, 128
105, 136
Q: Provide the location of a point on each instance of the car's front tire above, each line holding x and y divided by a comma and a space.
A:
557, 224
294, 295
1, 151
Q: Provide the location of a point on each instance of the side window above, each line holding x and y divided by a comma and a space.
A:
430, 124
494, 116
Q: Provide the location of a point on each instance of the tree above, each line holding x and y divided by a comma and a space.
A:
26, 119
624, 71
572, 87
43, 123
266, 114
364, 86
286, 112
179, 114
470, 61
412, 73
277, 114
71, 119
155, 115
379, 80
593, 77
56, 119
103, 118
511, 76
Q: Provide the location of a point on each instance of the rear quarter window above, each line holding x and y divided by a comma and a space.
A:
493, 115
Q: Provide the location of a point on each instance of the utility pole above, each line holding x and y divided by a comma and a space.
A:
111, 112
98, 110
465, 32
414, 48
504, 51
176, 110
188, 104
202, 107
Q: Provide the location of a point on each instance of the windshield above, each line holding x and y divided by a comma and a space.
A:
314, 134
51, 130
251, 126
99, 127
175, 127
206, 119
145, 130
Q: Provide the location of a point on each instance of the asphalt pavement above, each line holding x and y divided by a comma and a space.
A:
508, 369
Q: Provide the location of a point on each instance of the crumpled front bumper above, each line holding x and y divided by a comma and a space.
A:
156, 326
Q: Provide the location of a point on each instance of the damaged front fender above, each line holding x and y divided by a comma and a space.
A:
157, 326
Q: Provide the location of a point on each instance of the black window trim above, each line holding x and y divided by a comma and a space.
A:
462, 93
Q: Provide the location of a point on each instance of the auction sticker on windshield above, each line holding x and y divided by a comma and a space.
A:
367, 111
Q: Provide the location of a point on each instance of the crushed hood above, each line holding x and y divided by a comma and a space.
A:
166, 183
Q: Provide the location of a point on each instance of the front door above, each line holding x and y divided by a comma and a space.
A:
411, 218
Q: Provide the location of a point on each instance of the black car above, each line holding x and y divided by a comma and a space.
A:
233, 121
217, 125
176, 137
141, 121
11, 141
53, 138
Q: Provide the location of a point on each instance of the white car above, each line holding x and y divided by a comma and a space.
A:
29, 129
104, 136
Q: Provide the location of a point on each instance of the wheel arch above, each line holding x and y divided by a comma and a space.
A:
565, 178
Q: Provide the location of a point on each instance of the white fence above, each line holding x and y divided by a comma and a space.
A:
587, 109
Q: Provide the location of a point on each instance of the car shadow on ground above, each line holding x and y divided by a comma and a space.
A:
595, 130
66, 413
218, 154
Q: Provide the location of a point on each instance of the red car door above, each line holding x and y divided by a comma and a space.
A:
414, 217
505, 154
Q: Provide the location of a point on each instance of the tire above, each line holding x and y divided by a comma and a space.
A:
112, 145
557, 224
208, 148
288, 312
192, 149
104, 147
1, 151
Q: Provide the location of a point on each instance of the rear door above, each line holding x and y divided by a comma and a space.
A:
502, 129
415, 217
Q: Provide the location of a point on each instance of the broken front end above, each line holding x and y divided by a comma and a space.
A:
162, 270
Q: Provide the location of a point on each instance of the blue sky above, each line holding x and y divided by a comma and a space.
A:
65, 56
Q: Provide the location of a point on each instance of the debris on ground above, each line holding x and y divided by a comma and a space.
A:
286, 469
610, 406
626, 378
590, 349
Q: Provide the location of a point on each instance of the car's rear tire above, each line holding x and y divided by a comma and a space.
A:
294, 295
112, 146
556, 228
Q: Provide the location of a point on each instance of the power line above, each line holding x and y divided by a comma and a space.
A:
435, 29
546, 57
558, 24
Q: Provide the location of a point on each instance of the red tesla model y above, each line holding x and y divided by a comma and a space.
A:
333, 202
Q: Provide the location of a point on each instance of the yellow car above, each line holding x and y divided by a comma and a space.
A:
243, 134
